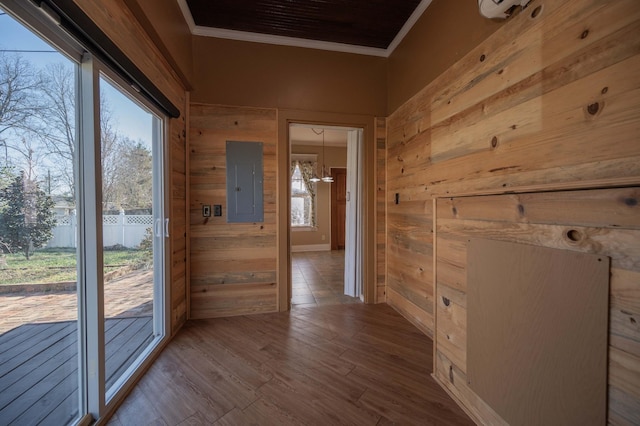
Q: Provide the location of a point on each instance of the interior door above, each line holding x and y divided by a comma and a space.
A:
354, 215
338, 207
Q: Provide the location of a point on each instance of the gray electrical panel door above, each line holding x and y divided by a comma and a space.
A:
244, 182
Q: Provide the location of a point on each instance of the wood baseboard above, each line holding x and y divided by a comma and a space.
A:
311, 247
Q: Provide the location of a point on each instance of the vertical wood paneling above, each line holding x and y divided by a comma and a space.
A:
381, 211
548, 102
232, 265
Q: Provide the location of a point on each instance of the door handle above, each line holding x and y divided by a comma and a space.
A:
166, 227
158, 228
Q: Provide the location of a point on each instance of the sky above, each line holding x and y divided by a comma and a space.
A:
131, 120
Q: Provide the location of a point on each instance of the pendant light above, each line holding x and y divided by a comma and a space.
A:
326, 177
315, 177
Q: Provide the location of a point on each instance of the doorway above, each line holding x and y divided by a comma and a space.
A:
334, 224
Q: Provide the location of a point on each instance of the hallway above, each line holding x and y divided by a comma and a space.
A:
317, 278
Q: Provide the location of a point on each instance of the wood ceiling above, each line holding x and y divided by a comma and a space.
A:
370, 24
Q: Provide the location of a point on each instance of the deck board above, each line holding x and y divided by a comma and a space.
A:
39, 367
18, 335
126, 346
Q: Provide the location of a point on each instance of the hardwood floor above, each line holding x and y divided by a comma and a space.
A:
335, 364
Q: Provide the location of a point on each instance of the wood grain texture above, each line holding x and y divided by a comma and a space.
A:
232, 265
341, 364
381, 211
505, 218
178, 145
546, 103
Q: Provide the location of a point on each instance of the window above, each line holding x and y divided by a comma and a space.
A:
303, 194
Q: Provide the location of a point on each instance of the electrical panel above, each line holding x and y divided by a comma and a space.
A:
244, 182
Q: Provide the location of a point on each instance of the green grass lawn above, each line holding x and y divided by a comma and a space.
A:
59, 265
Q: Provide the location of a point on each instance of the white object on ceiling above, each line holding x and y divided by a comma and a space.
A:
499, 9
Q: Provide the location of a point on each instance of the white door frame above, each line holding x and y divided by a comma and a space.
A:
354, 227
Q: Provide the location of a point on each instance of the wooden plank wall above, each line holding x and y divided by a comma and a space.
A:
233, 265
603, 222
178, 223
551, 101
120, 25
381, 219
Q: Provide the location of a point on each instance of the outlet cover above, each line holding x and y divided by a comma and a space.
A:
217, 210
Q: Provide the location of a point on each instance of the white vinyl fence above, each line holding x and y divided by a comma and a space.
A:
125, 230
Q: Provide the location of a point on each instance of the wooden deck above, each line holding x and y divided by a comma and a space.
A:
39, 367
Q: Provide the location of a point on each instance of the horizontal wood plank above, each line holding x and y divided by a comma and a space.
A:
232, 265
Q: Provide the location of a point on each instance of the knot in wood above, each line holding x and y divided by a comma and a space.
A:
573, 235
536, 12
593, 108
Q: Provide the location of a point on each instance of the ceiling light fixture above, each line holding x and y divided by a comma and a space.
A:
315, 177
326, 177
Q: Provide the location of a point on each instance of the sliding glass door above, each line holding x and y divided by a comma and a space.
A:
83, 231
39, 251
133, 229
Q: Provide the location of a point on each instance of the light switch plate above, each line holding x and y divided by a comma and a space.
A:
206, 210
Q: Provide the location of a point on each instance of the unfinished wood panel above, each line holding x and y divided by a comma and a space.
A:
537, 332
549, 102
232, 265
381, 195
178, 220
505, 218
119, 23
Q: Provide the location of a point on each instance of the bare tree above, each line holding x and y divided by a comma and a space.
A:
111, 145
134, 177
20, 104
58, 88
59, 135
38, 130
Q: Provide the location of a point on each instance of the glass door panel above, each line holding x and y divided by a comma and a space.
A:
39, 359
131, 225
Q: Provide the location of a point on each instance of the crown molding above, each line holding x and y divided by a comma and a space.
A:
417, 13
299, 42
